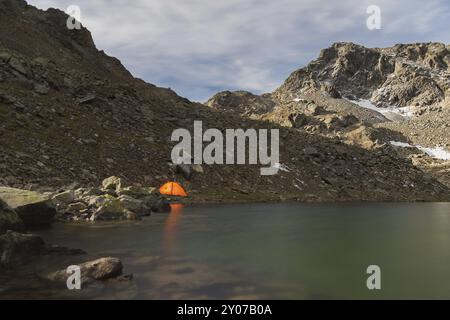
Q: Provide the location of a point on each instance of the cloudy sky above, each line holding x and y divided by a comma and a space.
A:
200, 47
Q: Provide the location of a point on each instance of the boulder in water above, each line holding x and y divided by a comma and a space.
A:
161, 206
100, 269
17, 248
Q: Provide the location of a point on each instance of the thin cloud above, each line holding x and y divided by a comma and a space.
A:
199, 47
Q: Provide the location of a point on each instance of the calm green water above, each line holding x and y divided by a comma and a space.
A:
273, 251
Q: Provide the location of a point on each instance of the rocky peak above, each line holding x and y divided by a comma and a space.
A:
52, 20
345, 67
411, 75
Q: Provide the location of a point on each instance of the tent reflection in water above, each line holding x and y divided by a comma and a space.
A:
173, 189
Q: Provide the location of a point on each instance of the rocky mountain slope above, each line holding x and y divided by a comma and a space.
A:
70, 114
412, 75
374, 98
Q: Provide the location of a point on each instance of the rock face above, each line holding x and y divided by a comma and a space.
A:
9, 220
34, 209
101, 269
404, 75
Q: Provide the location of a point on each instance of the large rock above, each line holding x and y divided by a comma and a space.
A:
135, 205
101, 269
17, 248
64, 198
113, 209
9, 220
97, 201
35, 209
112, 183
161, 206
83, 192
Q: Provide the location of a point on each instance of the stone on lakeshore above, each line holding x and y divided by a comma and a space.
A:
64, 198
113, 209
34, 209
112, 183
135, 205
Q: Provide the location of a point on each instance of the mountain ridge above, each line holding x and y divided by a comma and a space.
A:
365, 96
71, 115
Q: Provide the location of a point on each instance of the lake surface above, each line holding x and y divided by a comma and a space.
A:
271, 251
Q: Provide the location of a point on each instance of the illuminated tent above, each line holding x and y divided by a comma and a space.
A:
173, 189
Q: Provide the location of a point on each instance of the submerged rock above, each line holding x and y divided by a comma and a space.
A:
17, 248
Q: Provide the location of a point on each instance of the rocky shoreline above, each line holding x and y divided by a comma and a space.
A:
22, 211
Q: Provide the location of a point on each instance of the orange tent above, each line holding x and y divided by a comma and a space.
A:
173, 189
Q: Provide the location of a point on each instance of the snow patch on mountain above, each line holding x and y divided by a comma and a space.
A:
364, 103
436, 152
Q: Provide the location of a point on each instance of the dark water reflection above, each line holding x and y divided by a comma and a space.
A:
270, 251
